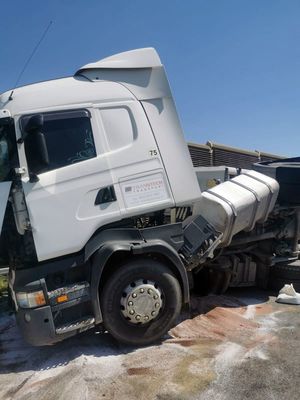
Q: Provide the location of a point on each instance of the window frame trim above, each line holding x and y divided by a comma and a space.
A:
65, 114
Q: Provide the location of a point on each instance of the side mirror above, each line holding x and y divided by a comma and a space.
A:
34, 124
35, 145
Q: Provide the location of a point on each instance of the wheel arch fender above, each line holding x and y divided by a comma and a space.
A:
102, 262
170, 255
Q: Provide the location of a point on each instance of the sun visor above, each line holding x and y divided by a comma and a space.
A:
4, 193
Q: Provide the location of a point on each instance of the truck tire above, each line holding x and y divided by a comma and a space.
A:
281, 274
140, 301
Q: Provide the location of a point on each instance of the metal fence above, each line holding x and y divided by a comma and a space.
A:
214, 154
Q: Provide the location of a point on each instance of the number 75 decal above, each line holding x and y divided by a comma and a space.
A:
153, 153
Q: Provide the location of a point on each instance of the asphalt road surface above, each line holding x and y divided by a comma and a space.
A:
239, 346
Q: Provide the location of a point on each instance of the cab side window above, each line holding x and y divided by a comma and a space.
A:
68, 136
119, 126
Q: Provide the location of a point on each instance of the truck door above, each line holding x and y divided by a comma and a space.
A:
69, 196
104, 165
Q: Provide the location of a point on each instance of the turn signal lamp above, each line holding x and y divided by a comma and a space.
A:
62, 298
31, 299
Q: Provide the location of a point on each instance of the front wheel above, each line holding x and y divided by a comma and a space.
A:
141, 301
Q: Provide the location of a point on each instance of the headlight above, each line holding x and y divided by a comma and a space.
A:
30, 299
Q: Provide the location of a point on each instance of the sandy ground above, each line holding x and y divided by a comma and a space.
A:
242, 345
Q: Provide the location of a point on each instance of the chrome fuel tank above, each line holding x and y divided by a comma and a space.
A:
239, 203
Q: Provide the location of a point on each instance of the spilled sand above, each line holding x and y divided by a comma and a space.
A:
195, 361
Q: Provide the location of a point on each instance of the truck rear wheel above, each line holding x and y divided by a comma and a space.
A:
281, 274
141, 301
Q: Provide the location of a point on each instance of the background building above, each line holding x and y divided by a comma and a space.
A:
214, 154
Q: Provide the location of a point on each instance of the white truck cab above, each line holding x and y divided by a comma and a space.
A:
106, 160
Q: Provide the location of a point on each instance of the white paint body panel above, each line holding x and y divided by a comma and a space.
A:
62, 94
174, 151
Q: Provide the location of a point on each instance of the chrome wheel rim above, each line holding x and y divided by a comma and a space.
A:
141, 301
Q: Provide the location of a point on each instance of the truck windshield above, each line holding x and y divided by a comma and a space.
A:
8, 149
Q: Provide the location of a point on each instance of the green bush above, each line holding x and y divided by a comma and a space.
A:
4, 304
3, 285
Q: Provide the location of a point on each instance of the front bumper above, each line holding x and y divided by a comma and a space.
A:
37, 326
54, 322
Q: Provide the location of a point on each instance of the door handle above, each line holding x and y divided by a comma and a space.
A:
105, 195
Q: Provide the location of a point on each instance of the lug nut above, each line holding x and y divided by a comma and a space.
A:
156, 305
142, 290
149, 291
155, 297
153, 313
134, 295
146, 318
131, 312
138, 317
130, 303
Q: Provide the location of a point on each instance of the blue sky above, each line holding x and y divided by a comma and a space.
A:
233, 65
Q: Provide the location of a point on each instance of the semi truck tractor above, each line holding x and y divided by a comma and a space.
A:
102, 216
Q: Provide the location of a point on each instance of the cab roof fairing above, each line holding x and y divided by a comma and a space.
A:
140, 71
139, 58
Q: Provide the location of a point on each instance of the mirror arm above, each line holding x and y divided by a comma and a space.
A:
22, 139
33, 178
